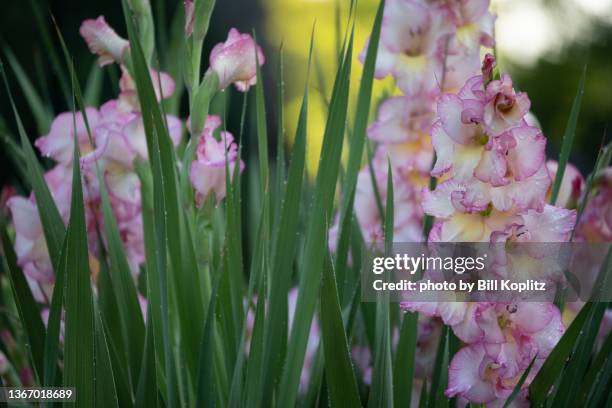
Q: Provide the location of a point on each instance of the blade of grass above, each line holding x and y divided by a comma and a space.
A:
568, 138
206, 387
153, 276
596, 370
403, 369
362, 110
549, 372
258, 267
52, 54
53, 226
315, 243
439, 378
339, 373
146, 394
566, 394
171, 232
262, 126
144, 88
381, 392
93, 87
109, 313
54, 232
79, 343
284, 253
254, 377
106, 393
280, 141
39, 110
130, 316
26, 306
519, 384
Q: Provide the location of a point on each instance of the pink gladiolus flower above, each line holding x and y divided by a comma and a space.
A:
504, 338
412, 45
402, 119
408, 216
207, 171
103, 41
596, 222
163, 84
572, 184
234, 61
59, 142
504, 107
30, 246
474, 23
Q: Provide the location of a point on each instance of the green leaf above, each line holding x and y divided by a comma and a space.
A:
29, 314
146, 394
423, 398
362, 110
519, 384
403, 369
39, 110
55, 234
262, 126
597, 369
339, 373
52, 55
206, 384
53, 226
106, 393
280, 141
549, 372
439, 377
315, 236
381, 392
132, 325
111, 322
171, 231
93, 87
568, 138
79, 343
284, 253
258, 267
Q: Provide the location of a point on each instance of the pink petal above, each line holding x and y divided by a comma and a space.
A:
529, 153
25, 217
553, 224
464, 376
450, 110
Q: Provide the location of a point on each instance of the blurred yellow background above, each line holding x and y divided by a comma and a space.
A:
528, 32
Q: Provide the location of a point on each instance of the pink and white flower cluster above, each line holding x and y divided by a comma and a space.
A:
493, 181
495, 189
117, 140
428, 48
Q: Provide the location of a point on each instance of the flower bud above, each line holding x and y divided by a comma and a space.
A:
234, 61
103, 41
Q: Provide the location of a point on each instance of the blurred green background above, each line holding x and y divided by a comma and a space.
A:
544, 44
